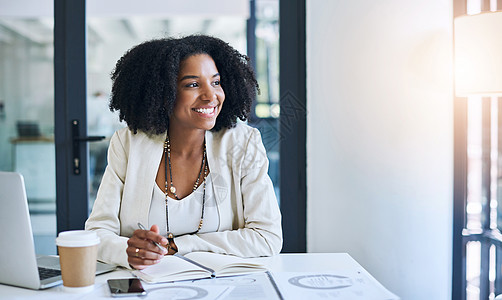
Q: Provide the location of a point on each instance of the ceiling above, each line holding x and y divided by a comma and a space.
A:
109, 20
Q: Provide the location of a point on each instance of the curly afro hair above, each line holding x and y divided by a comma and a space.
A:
145, 81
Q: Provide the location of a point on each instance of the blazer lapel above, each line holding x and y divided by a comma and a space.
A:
152, 155
219, 180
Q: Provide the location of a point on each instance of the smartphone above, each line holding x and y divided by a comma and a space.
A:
126, 287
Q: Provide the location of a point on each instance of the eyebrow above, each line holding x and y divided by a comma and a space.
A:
195, 77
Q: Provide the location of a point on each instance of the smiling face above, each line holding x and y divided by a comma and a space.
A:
199, 96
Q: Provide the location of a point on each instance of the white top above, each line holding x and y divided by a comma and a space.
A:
184, 214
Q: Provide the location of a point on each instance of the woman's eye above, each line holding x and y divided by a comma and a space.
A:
193, 84
217, 82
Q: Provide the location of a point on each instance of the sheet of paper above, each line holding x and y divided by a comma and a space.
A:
330, 285
250, 286
186, 291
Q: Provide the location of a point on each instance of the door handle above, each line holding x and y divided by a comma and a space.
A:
76, 139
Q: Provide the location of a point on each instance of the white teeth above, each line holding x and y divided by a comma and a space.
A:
204, 110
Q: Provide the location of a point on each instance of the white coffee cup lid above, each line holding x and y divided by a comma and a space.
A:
77, 238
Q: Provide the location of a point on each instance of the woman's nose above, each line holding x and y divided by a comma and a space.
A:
208, 93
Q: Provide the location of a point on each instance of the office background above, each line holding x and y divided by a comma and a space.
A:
379, 138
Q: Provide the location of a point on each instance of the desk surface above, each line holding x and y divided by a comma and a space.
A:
311, 262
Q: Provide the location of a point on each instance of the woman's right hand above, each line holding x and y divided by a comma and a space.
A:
141, 251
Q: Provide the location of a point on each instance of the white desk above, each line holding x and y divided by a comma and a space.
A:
312, 262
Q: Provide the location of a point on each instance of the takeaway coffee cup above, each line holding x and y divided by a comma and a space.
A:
78, 251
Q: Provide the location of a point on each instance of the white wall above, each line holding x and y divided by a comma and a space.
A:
380, 139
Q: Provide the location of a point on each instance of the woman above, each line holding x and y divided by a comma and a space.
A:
184, 165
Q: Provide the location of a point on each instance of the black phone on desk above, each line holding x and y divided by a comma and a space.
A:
126, 287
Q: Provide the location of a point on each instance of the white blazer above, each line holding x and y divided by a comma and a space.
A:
250, 220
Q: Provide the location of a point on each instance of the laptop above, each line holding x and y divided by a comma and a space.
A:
27, 129
20, 266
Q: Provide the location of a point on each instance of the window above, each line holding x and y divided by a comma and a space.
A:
477, 240
27, 111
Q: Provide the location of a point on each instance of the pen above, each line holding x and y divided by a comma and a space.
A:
157, 244
195, 263
180, 256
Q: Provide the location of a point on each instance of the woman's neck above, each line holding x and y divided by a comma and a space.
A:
186, 143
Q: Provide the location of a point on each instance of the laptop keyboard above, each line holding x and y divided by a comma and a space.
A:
45, 273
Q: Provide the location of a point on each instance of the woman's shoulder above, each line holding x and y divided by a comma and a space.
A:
239, 140
240, 132
127, 137
123, 132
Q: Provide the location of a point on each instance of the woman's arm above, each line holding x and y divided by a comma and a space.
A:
104, 218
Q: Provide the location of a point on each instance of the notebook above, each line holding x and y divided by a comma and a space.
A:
19, 263
197, 265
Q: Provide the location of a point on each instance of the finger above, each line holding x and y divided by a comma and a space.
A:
143, 254
140, 233
154, 236
136, 242
141, 263
163, 241
155, 228
147, 249
150, 235
138, 267
147, 245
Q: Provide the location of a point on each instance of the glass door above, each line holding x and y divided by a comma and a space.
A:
27, 110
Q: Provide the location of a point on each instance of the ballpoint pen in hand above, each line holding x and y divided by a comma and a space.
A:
157, 244
178, 255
